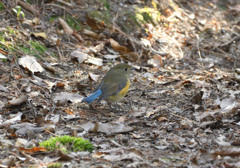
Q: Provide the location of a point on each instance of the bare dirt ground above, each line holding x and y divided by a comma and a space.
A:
182, 109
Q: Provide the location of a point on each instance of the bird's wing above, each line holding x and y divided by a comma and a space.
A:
110, 89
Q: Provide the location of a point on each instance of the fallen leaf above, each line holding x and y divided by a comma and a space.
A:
67, 29
80, 56
93, 23
17, 101
41, 34
95, 61
32, 150
111, 56
94, 77
90, 33
157, 61
30, 63
131, 56
108, 128
119, 48
73, 97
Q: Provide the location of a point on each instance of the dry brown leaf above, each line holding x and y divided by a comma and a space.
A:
90, 33
131, 56
41, 34
229, 151
32, 22
68, 30
93, 23
157, 60
119, 48
108, 128
17, 101
99, 47
77, 36
8, 161
49, 67
32, 150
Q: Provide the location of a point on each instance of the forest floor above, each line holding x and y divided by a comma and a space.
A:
183, 106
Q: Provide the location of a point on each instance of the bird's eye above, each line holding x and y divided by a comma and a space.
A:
125, 69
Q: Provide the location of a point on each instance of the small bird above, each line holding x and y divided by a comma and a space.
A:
114, 85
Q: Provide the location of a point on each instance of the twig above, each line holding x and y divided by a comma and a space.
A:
229, 42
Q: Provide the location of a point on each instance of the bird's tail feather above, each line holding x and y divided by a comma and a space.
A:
92, 97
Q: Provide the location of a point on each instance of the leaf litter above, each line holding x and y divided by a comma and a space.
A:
183, 105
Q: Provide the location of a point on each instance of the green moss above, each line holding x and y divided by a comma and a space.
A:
106, 4
67, 143
1, 6
71, 21
52, 18
2, 39
54, 165
101, 16
37, 46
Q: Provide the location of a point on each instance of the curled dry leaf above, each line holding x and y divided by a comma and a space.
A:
95, 61
90, 33
229, 151
4, 89
119, 48
26, 128
21, 142
80, 56
111, 56
94, 77
63, 156
32, 22
30, 63
73, 97
41, 34
131, 56
228, 104
8, 161
68, 30
108, 128
157, 61
49, 67
78, 36
93, 23
237, 73
138, 112
17, 101
32, 150
99, 47
17, 117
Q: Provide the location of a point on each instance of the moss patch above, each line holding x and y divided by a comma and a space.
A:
67, 144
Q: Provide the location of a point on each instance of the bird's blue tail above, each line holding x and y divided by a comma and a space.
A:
92, 97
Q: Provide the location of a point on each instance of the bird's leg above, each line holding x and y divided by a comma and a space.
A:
117, 107
109, 104
120, 108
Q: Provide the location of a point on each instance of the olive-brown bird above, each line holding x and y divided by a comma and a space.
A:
114, 85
